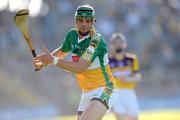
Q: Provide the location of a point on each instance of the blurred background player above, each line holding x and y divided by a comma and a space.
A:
125, 69
90, 64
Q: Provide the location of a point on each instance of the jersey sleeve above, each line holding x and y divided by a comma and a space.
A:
135, 67
66, 46
95, 48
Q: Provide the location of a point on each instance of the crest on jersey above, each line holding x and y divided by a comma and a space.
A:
95, 40
94, 43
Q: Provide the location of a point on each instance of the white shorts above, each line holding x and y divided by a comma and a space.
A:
126, 102
98, 94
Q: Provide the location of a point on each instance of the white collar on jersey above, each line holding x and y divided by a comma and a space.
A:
80, 40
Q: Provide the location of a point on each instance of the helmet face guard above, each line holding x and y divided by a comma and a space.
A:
85, 12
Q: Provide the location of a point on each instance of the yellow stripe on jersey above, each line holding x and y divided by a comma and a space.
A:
135, 66
126, 71
93, 79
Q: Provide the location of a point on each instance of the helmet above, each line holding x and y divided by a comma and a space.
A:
85, 11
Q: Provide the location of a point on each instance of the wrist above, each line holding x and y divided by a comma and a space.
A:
55, 60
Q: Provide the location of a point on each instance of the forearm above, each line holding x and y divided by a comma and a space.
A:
48, 58
75, 67
60, 54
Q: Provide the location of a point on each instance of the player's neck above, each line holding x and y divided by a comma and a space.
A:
81, 36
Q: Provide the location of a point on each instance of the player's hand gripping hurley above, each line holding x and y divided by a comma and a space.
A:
21, 21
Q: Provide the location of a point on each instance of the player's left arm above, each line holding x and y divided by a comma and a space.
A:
75, 67
136, 75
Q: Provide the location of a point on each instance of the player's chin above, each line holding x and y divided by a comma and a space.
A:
84, 30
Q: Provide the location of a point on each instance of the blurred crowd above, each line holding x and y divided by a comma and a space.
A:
152, 28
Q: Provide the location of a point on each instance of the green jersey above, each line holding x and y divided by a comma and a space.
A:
98, 73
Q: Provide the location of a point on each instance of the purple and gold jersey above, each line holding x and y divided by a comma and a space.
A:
125, 67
